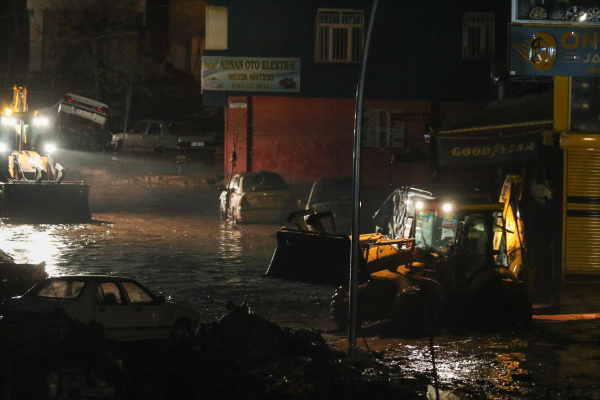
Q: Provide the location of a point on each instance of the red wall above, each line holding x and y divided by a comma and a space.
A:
304, 139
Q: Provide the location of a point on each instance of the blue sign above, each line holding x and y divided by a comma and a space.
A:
554, 51
251, 74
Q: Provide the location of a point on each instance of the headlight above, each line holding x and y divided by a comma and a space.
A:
419, 205
50, 148
3, 147
40, 121
9, 121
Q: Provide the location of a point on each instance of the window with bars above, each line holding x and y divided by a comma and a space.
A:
478, 36
339, 35
381, 130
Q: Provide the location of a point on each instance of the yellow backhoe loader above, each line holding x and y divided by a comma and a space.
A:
435, 260
32, 187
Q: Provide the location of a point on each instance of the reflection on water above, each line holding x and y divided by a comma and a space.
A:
196, 259
230, 239
33, 244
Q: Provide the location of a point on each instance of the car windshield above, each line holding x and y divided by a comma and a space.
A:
332, 191
62, 289
263, 182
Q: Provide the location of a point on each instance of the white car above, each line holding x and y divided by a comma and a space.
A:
194, 138
257, 197
122, 308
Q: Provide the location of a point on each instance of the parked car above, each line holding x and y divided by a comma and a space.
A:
335, 195
195, 138
120, 307
257, 197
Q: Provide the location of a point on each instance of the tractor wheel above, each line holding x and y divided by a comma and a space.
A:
497, 307
417, 310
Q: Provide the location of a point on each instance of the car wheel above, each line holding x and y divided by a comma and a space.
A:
119, 148
182, 331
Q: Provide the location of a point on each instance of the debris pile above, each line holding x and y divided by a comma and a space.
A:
239, 356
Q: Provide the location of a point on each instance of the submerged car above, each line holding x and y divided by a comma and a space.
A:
257, 197
335, 195
121, 308
194, 138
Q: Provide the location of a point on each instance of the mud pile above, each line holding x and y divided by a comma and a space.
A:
239, 356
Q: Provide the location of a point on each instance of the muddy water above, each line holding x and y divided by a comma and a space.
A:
199, 259
165, 232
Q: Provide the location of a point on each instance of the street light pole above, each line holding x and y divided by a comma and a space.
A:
353, 284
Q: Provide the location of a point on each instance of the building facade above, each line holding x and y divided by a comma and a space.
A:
287, 73
560, 40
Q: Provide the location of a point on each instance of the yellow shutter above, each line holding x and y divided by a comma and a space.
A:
582, 216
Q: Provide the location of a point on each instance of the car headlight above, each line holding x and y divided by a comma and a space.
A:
3, 147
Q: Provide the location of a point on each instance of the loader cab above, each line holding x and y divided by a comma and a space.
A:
435, 229
470, 240
487, 239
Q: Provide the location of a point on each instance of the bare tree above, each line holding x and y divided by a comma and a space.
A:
13, 33
128, 74
90, 29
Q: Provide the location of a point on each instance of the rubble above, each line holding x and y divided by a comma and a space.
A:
239, 356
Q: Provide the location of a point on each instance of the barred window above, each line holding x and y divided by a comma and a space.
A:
381, 130
478, 36
339, 35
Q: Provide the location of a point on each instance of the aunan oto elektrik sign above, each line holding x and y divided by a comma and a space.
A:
251, 74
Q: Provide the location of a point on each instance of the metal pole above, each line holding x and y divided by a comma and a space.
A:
356, 190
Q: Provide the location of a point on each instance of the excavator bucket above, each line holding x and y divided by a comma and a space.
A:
313, 257
45, 202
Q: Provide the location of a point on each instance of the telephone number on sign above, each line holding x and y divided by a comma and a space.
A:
255, 86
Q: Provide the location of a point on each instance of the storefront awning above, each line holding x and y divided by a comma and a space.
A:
507, 130
489, 150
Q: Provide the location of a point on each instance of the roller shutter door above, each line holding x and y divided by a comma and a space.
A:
582, 216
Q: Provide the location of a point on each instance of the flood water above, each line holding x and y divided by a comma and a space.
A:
157, 221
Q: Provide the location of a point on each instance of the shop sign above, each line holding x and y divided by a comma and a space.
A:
266, 74
554, 51
496, 150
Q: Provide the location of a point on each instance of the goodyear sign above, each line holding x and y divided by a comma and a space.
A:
497, 150
251, 74
554, 51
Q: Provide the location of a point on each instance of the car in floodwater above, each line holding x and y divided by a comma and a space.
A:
335, 195
197, 138
121, 308
257, 197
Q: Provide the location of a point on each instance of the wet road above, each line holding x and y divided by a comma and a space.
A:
157, 221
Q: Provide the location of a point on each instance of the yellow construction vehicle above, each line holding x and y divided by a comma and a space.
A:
433, 261
32, 187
